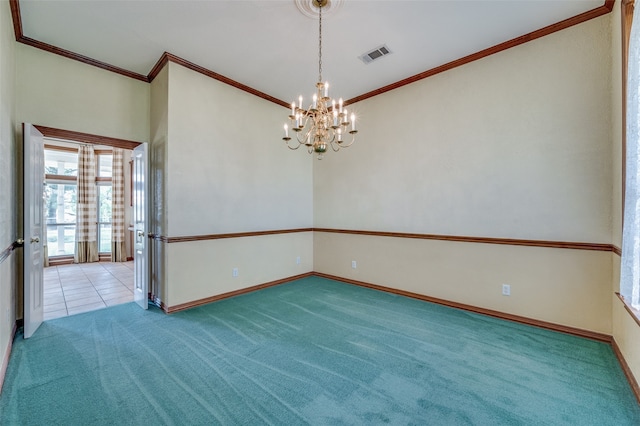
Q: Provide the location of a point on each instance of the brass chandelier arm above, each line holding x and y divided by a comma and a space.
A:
292, 148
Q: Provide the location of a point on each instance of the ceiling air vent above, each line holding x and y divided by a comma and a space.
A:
376, 53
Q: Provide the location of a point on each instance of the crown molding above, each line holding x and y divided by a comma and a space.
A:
168, 57
21, 38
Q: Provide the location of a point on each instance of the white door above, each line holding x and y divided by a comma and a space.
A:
140, 222
34, 229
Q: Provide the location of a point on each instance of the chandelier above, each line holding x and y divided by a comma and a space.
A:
325, 122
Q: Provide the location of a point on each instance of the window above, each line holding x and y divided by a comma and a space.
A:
60, 198
104, 218
105, 187
60, 194
105, 161
630, 263
60, 215
61, 163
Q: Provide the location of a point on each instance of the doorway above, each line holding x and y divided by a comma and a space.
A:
69, 287
86, 247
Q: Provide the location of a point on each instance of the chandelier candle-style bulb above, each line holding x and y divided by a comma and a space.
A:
325, 122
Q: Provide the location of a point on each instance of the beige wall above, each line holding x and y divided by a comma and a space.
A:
201, 269
627, 335
8, 180
228, 171
225, 145
516, 145
58, 92
553, 285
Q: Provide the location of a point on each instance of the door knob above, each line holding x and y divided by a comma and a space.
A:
140, 233
35, 240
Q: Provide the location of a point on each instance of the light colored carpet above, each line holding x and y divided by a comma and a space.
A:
314, 351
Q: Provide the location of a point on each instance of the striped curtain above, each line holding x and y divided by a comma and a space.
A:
86, 209
118, 252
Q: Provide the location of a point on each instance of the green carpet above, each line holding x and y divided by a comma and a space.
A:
314, 351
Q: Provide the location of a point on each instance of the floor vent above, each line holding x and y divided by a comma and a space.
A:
376, 53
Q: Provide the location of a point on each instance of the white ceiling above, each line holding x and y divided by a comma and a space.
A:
271, 46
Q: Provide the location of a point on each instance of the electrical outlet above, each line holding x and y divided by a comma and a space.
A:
506, 290
234, 272
354, 265
298, 260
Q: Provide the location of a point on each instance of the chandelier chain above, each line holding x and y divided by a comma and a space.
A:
320, 46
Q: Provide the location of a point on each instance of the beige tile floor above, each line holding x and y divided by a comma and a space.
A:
76, 288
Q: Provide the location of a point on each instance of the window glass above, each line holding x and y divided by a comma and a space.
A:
104, 218
104, 203
60, 216
62, 163
104, 230
104, 165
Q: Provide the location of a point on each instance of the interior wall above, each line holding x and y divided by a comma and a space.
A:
224, 147
9, 158
58, 92
515, 145
202, 269
547, 284
626, 332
